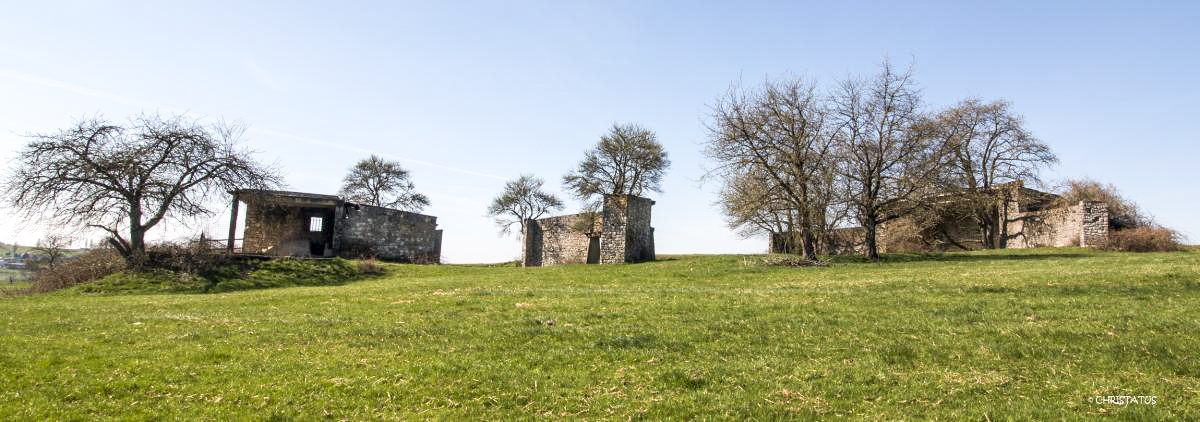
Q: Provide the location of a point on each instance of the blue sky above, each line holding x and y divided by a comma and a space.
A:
469, 94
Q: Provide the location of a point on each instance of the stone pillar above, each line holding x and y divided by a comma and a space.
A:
531, 244
613, 235
653, 255
626, 235
1094, 221
339, 215
437, 247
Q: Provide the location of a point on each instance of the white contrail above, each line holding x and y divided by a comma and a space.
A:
69, 87
94, 93
352, 148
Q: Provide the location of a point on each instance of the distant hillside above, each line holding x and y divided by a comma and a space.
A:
6, 249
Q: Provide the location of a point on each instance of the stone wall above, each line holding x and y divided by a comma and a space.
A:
837, 242
784, 242
963, 231
1083, 224
621, 232
268, 226
558, 240
277, 230
907, 235
627, 235
1055, 227
1094, 217
286, 224
387, 234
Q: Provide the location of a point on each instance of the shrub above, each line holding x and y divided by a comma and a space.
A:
89, 266
371, 267
586, 223
786, 260
195, 257
1122, 213
1145, 239
196, 267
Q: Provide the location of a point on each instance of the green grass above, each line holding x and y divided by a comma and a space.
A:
14, 287
1011, 335
19, 278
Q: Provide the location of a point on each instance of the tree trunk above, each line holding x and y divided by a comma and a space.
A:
806, 226
986, 217
869, 233
995, 237
807, 244
137, 238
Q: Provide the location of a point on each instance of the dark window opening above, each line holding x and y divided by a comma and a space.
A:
316, 224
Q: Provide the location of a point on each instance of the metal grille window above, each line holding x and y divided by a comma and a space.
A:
316, 224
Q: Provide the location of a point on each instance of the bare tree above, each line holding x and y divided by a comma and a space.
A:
627, 161
522, 200
125, 180
771, 146
989, 147
886, 158
53, 247
382, 183
753, 204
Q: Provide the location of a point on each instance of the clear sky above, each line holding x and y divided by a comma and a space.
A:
469, 94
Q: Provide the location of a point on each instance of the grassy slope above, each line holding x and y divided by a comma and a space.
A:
1016, 334
227, 277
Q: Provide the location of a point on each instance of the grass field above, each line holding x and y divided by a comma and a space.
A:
13, 280
1005, 335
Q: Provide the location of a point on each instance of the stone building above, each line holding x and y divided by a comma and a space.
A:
1031, 219
313, 225
620, 232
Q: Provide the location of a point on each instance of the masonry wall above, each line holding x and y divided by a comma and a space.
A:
532, 246
621, 232
1055, 227
838, 241
275, 230
1083, 224
557, 240
387, 234
963, 231
627, 235
1094, 216
784, 242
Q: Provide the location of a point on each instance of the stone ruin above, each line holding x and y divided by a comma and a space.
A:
1031, 219
620, 232
300, 224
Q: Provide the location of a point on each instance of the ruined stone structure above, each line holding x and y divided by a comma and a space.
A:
313, 225
620, 232
1031, 219
1084, 224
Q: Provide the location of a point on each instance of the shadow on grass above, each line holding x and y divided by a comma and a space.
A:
660, 259
1142, 287
955, 257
